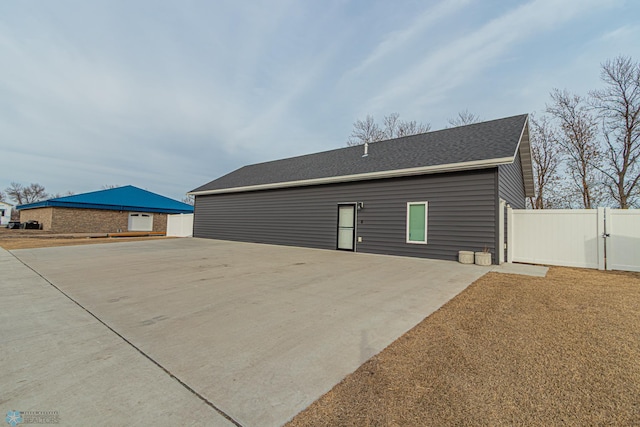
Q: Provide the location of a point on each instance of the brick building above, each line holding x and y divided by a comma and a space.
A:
108, 211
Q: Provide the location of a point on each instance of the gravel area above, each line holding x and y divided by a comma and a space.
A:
509, 350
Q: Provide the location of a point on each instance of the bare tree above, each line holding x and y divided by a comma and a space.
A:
14, 191
618, 106
463, 118
366, 130
22, 195
35, 192
411, 128
369, 131
577, 137
2, 196
545, 155
396, 128
391, 125
58, 195
110, 186
189, 199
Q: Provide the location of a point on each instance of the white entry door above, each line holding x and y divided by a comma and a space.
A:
140, 221
346, 227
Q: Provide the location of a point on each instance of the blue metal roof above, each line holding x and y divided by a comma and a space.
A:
127, 198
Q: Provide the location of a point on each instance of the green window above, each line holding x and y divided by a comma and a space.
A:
417, 222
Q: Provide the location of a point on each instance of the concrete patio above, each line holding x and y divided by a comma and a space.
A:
181, 329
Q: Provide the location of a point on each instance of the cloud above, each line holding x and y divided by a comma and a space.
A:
396, 40
464, 58
172, 96
626, 32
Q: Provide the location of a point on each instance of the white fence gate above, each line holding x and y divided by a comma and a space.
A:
180, 225
592, 238
623, 241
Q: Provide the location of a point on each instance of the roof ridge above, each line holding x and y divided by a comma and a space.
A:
404, 137
96, 191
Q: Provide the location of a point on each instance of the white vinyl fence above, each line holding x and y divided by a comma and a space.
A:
623, 241
600, 238
180, 225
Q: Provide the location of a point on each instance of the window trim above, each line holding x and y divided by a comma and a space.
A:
426, 228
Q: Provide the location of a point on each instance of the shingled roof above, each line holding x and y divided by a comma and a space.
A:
474, 146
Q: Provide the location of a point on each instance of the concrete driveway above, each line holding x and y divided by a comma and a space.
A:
253, 333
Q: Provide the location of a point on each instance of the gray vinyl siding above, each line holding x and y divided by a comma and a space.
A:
511, 183
511, 189
461, 214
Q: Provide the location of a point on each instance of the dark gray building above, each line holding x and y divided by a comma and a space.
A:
429, 195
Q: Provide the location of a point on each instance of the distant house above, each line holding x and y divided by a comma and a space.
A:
428, 195
5, 213
108, 211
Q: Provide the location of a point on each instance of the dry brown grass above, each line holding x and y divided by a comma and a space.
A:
509, 350
29, 239
34, 242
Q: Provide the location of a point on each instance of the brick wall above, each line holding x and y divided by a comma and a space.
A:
70, 220
42, 215
160, 222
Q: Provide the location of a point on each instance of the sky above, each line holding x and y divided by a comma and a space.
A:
169, 95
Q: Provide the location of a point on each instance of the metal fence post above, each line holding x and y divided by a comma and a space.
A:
602, 238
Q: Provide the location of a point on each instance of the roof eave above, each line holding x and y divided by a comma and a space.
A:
524, 148
423, 170
34, 205
101, 207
